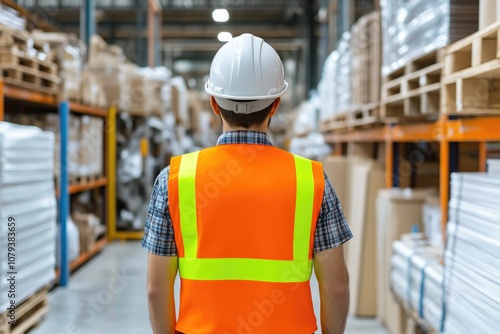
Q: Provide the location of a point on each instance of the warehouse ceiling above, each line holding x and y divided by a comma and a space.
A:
188, 32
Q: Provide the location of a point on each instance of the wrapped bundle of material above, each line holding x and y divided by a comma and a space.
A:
472, 257
68, 52
366, 54
90, 146
413, 28
326, 87
417, 279
432, 222
27, 211
11, 18
494, 166
342, 76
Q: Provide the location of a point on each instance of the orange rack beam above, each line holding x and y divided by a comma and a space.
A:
74, 189
82, 109
27, 95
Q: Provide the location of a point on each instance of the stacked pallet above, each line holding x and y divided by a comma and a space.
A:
67, 52
137, 91
471, 73
413, 91
366, 57
472, 257
85, 163
413, 28
350, 85
26, 63
414, 33
28, 231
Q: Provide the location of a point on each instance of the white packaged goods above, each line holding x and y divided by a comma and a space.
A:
494, 166
28, 204
472, 256
417, 279
335, 86
432, 222
412, 28
11, 18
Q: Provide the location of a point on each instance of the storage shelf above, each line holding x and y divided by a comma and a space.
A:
459, 130
87, 110
83, 258
78, 188
128, 235
21, 94
372, 135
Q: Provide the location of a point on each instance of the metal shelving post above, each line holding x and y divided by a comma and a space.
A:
63, 194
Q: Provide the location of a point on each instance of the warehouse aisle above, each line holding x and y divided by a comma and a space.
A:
108, 296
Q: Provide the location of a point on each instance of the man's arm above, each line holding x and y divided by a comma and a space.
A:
333, 280
162, 271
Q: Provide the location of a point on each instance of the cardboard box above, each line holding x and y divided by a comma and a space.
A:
89, 227
397, 211
367, 178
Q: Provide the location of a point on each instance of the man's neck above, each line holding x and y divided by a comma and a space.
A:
226, 128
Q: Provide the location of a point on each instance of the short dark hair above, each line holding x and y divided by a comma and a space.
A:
246, 120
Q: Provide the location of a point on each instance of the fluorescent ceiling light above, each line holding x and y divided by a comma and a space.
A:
225, 36
220, 15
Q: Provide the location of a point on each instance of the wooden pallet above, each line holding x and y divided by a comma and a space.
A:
28, 314
413, 91
83, 179
359, 116
10, 37
17, 57
471, 80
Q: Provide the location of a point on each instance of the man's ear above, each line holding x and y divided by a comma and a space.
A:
215, 106
276, 104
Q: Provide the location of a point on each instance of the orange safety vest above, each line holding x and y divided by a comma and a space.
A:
244, 218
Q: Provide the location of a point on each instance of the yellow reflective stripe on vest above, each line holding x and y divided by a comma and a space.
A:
297, 270
304, 202
245, 269
187, 203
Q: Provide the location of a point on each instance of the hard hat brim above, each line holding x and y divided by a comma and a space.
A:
249, 98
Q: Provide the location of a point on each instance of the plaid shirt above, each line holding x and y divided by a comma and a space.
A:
331, 229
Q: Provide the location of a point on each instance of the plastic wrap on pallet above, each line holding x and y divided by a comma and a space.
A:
11, 18
417, 279
432, 222
366, 55
327, 88
472, 256
412, 28
342, 81
27, 201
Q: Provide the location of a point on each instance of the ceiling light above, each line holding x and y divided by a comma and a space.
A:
225, 36
220, 15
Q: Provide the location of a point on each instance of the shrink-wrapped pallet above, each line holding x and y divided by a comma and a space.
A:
413, 28
27, 210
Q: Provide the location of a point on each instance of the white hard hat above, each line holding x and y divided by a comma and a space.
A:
246, 75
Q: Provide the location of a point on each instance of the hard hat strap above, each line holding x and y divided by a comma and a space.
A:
244, 107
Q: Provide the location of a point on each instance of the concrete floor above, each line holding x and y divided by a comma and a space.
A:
107, 296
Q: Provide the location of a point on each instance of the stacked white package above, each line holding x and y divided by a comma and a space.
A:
494, 166
417, 279
27, 211
343, 74
326, 87
472, 257
413, 28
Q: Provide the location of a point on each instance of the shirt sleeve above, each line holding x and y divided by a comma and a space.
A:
158, 235
331, 229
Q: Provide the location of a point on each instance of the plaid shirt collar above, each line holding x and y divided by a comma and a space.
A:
244, 137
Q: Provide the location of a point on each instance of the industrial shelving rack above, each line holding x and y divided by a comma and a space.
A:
49, 103
447, 131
